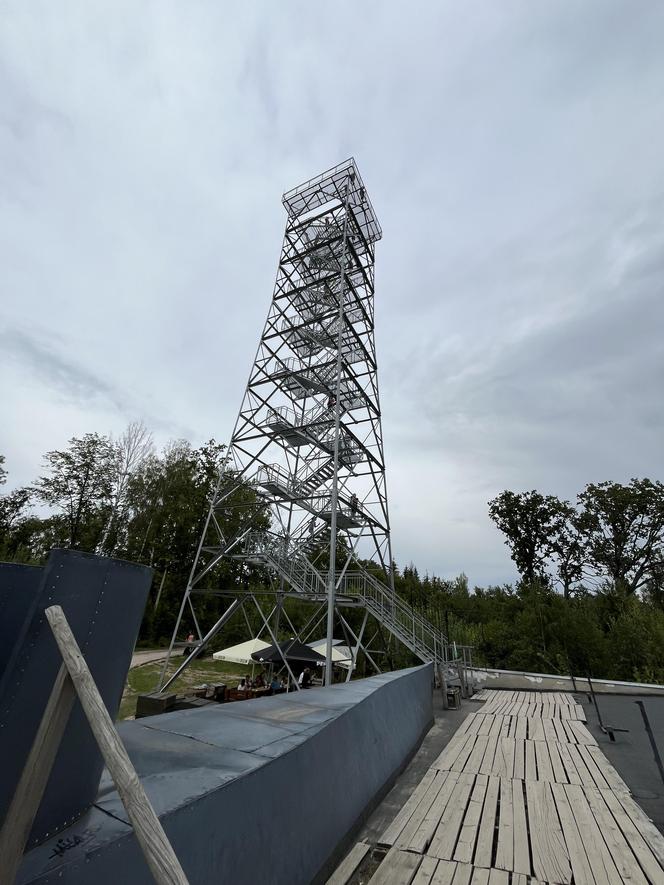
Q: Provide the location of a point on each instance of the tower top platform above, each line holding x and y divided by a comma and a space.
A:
329, 186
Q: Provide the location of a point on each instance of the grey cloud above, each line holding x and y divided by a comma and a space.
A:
66, 375
74, 382
512, 152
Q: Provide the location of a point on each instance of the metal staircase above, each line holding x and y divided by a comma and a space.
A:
314, 479
359, 588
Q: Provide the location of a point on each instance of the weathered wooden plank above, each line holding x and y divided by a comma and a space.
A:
484, 847
480, 876
614, 838
561, 734
471, 822
419, 796
580, 765
475, 759
531, 764
445, 872
599, 857
592, 767
577, 853
559, 773
505, 848
568, 735
483, 723
468, 722
496, 726
544, 770
459, 763
449, 755
503, 765
519, 759
486, 766
417, 835
521, 732
445, 837
536, 730
568, 762
498, 877
397, 868
647, 832
549, 853
350, 864
462, 874
425, 871
452, 750
521, 842
613, 779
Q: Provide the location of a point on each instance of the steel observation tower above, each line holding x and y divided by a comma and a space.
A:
308, 443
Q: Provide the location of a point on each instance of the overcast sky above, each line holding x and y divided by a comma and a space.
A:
514, 155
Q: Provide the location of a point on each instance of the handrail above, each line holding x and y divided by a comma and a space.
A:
272, 473
408, 626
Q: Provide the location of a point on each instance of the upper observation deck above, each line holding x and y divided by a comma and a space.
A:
331, 186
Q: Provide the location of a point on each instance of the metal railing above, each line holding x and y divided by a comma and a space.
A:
273, 474
410, 627
407, 625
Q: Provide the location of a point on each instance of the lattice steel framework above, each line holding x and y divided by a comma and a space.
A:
308, 438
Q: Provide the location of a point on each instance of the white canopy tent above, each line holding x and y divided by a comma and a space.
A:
341, 654
241, 653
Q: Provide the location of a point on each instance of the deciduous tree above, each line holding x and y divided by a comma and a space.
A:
78, 484
623, 530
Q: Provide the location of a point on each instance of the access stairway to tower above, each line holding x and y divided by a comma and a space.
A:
305, 381
358, 588
313, 428
274, 479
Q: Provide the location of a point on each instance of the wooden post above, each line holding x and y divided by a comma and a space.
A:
158, 852
461, 670
443, 685
36, 772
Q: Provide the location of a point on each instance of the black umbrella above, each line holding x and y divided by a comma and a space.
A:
292, 650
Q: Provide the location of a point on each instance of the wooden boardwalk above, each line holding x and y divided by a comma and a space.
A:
522, 794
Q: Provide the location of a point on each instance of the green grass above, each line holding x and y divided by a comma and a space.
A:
144, 678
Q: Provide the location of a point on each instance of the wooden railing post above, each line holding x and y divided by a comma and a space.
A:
74, 678
158, 851
31, 786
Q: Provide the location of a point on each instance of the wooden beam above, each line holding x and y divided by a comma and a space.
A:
36, 772
150, 834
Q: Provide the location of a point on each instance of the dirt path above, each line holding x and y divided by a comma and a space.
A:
147, 656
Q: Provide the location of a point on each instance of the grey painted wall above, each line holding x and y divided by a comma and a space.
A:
257, 791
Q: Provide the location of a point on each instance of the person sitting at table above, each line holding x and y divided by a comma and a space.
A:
259, 681
243, 686
275, 685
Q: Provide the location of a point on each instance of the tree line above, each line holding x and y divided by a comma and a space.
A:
612, 539
589, 599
